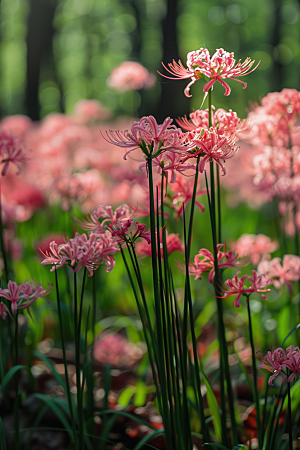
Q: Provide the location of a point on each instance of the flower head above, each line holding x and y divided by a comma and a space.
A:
173, 243
130, 75
204, 262
279, 359
150, 137
82, 251
11, 152
235, 286
279, 273
24, 295
256, 246
213, 147
218, 67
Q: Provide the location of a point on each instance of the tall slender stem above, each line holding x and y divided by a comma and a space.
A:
62, 336
290, 425
3, 249
254, 369
158, 314
17, 378
224, 365
78, 367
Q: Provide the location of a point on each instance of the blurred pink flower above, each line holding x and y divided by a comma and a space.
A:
254, 246
11, 152
183, 193
116, 350
280, 274
3, 310
172, 240
235, 286
16, 125
219, 67
131, 75
90, 110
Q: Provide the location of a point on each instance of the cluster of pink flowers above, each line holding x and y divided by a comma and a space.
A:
269, 167
204, 262
280, 360
257, 247
257, 285
218, 67
11, 152
281, 273
82, 251
108, 230
130, 75
173, 243
22, 296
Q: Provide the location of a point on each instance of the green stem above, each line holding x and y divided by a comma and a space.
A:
290, 425
68, 393
224, 365
3, 250
254, 369
158, 314
78, 367
17, 378
197, 363
219, 205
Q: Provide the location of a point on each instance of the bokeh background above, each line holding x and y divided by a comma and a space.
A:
56, 52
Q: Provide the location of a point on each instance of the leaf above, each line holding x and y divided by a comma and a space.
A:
126, 396
295, 395
10, 374
243, 369
215, 446
147, 438
52, 368
240, 446
291, 332
214, 408
2, 436
56, 404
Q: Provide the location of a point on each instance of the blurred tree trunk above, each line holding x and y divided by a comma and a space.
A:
39, 48
172, 102
277, 78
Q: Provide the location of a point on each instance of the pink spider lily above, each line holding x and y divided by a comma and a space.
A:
183, 193
255, 246
219, 67
24, 295
11, 153
82, 251
279, 359
235, 286
171, 162
223, 122
125, 234
283, 273
92, 223
214, 147
173, 243
150, 137
204, 262
3, 310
